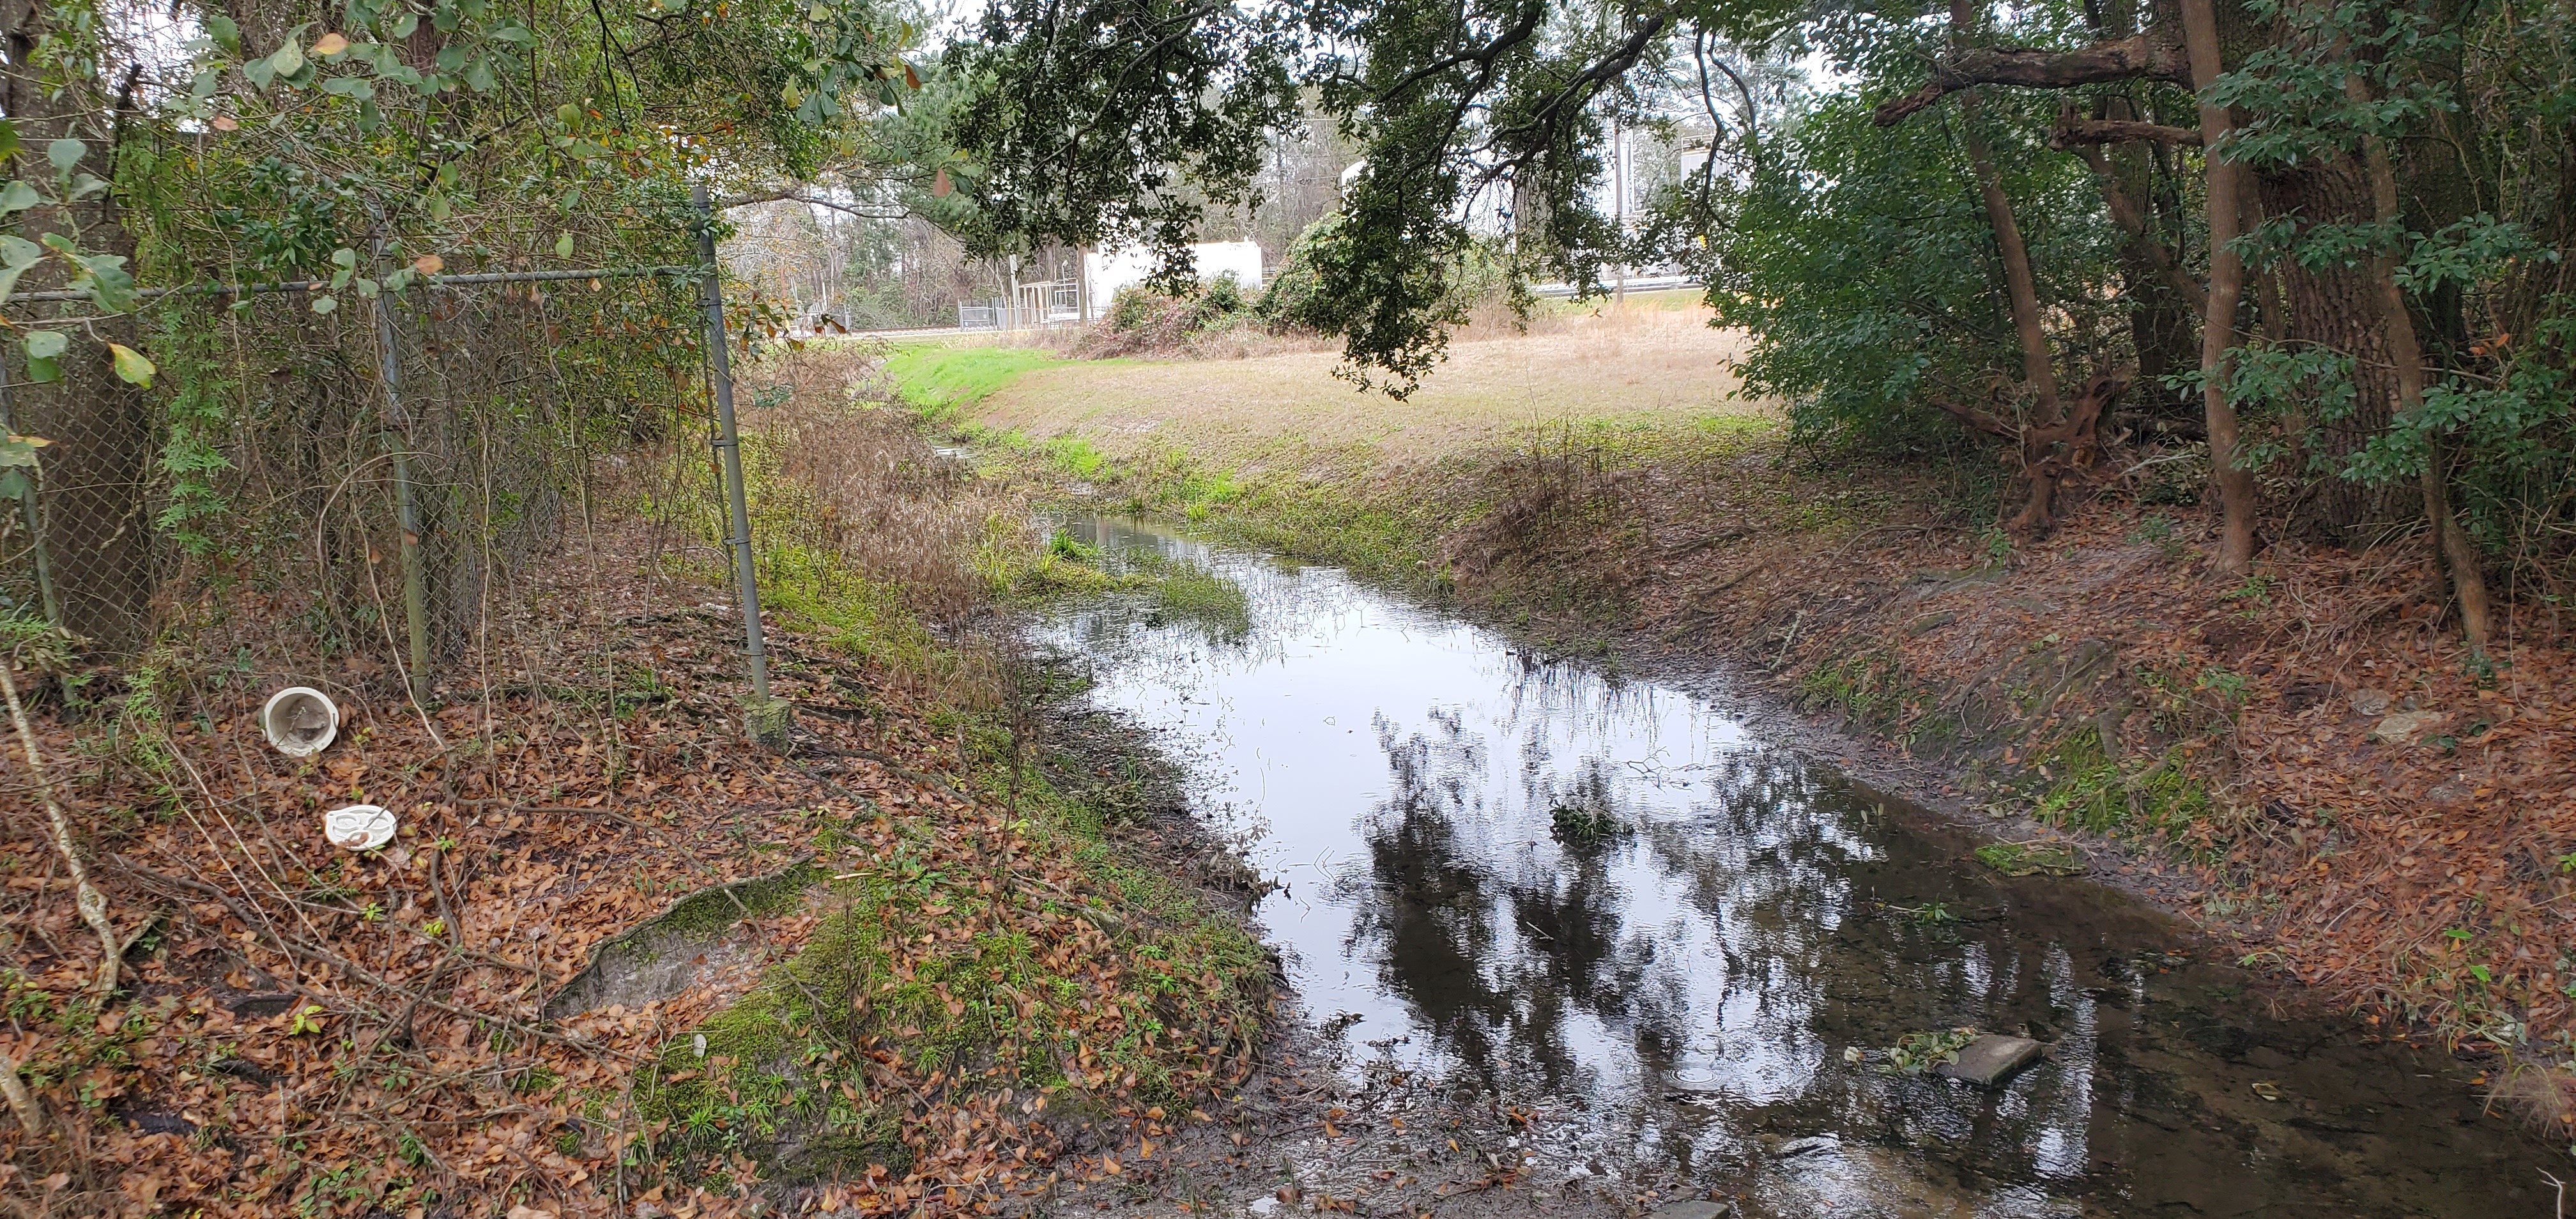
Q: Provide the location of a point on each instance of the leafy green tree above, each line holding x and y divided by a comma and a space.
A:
2331, 183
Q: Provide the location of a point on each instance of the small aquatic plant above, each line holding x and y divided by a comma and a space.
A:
1915, 1053
1216, 604
1930, 914
1064, 545
1581, 825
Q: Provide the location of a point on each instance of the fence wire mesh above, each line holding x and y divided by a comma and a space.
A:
251, 509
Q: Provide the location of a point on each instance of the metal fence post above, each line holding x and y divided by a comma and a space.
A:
35, 527
395, 435
766, 719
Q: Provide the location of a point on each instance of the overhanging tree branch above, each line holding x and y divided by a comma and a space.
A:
2133, 58
791, 196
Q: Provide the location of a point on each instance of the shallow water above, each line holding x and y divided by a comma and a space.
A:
1680, 995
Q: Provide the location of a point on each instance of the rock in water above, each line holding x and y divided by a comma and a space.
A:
1695, 1208
1991, 1059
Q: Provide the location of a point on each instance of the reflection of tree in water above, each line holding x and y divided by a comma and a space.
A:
1529, 965
1749, 931
1493, 959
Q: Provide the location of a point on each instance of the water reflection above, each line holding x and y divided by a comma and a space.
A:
1685, 982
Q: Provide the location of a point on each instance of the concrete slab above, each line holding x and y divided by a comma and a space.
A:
1991, 1059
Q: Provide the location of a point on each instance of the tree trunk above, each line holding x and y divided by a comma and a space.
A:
2226, 285
2164, 314
2039, 372
2335, 309
97, 476
2406, 357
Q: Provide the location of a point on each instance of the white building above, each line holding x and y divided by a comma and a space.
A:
1104, 274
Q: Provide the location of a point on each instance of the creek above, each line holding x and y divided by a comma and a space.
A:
1609, 899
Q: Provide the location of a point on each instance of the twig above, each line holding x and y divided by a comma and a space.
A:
93, 904
31, 1116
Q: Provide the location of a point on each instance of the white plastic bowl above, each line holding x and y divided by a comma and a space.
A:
300, 721
359, 827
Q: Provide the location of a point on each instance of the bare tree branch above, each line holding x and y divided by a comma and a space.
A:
2073, 130
2125, 213
790, 196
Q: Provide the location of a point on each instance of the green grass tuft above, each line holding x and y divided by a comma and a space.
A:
2089, 790
944, 382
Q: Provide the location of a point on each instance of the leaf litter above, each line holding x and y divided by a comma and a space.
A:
305, 1030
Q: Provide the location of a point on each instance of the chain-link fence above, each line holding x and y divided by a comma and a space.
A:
360, 486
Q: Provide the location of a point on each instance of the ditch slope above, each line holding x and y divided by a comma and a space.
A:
2305, 763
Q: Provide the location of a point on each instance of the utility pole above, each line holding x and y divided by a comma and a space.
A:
1619, 205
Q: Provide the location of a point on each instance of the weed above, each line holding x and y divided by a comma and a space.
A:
2253, 596
1999, 544
1582, 825
2157, 528
1074, 456
2031, 858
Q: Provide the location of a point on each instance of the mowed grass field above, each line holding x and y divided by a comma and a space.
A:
1648, 365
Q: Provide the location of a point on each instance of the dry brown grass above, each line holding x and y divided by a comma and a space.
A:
1646, 363
869, 537
854, 477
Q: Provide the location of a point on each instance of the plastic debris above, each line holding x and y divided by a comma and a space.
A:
359, 827
300, 721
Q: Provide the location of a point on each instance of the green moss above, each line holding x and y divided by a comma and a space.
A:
920, 968
2031, 858
712, 910
2087, 789
697, 919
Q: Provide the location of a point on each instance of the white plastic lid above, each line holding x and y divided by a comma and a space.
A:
359, 827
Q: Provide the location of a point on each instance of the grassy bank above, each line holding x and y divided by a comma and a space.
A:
988, 962
2305, 761
1275, 452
